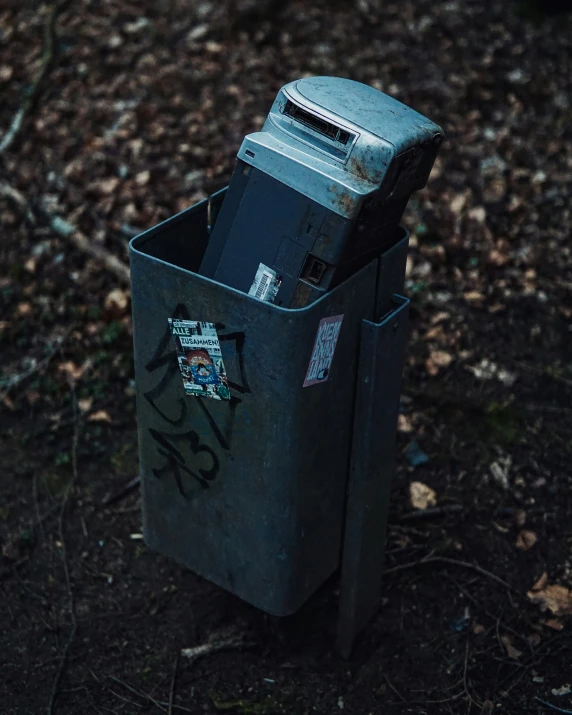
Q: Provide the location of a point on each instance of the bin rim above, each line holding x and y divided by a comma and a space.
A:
177, 218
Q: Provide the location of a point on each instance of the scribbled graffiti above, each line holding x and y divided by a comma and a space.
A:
170, 446
187, 457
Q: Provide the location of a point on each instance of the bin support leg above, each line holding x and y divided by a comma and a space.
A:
372, 467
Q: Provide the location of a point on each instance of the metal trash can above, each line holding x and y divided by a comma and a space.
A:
256, 492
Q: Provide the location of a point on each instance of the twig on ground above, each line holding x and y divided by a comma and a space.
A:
48, 56
71, 601
431, 512
492, 616
553, 707
39, 520
127, 489
10, 382
453, 562
57, 679
140, 693
125, 700
173, 681
465, 667
182, 708
212, 645
392, 687
69, 231
10, 611
19, 199
543, 371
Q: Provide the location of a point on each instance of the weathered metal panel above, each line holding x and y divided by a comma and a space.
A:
249, 493
371, 471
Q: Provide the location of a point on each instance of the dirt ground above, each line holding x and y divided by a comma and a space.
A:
138, 116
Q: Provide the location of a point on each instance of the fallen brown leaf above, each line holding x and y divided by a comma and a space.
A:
440, 317
99, 416
526, 540
404, 424
7, 402
551, 597
85, 404
421, 495
6, 73
142, 178
437, 360
497, 258
519, 517
23, 309
408, 266
511, 651
473, 296
459, 202
541, 583
554, 624
478, 214
116, 302
105, 186
72, 370
435, 333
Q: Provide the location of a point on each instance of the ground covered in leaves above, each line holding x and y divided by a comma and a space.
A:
139, 116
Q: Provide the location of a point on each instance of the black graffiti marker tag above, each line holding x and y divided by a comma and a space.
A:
172, 447
181, 451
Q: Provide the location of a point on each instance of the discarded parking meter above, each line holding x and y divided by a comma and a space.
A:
266, 433
320, 191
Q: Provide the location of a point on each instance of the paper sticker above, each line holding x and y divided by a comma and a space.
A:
323, 351
266, 284
200, 359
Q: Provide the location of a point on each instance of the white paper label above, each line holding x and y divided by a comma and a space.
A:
265, 285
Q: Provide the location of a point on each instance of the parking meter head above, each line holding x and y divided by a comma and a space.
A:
320, 190
347, 133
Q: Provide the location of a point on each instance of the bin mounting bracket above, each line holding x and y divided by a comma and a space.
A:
372, 466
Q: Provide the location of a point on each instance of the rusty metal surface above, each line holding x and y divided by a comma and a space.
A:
389, 148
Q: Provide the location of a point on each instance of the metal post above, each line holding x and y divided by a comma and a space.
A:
372, 468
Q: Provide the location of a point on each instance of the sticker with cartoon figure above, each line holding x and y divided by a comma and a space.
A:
200, 359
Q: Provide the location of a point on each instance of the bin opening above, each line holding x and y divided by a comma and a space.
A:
182, 240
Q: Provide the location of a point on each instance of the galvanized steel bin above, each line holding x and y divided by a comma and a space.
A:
250, 492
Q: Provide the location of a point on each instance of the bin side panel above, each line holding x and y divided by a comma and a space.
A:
372, 469
248, 493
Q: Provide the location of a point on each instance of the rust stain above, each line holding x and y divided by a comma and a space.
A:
343, 200
360, 169
357, 167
